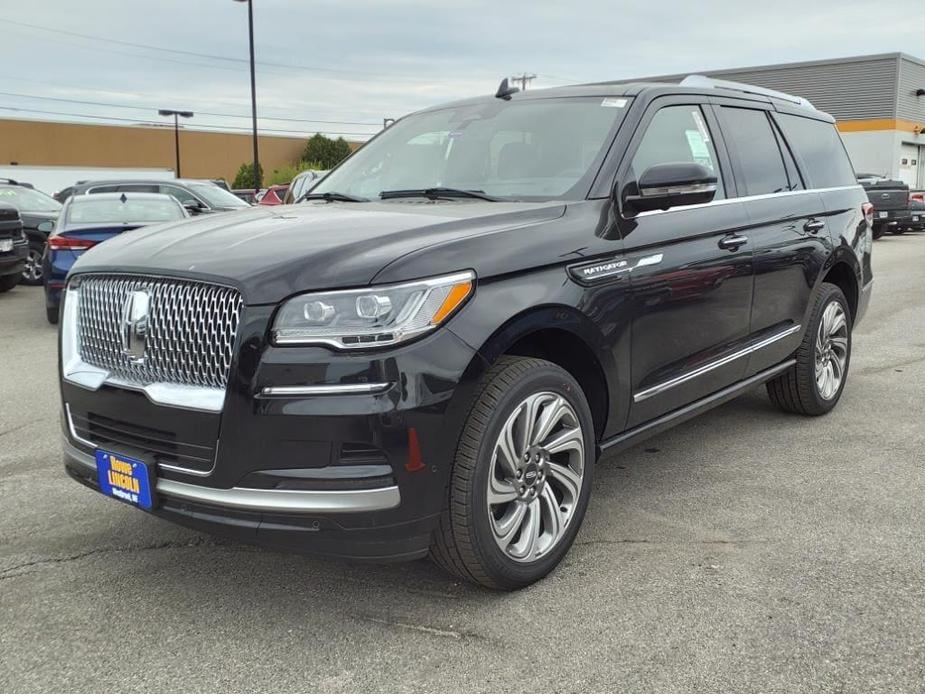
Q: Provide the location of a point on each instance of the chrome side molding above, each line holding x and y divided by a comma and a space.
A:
335, 389
706, 368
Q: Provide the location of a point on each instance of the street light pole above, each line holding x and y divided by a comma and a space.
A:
176, 129
250, 29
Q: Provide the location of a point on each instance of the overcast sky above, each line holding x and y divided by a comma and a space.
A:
358, 61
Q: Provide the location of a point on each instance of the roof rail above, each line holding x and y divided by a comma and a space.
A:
10, 181
704, 81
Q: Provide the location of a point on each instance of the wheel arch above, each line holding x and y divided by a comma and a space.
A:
566, 337
844, 271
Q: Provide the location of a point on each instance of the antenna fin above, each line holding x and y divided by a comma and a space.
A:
505, 90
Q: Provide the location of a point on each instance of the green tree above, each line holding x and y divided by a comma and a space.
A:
245, 176
285, 174
326, 152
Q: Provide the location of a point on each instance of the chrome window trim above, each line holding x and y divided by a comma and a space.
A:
336, 389
711, 366
745, 198
269, 500
78, 372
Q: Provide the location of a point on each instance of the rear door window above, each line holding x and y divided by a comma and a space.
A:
819, 150
758, 158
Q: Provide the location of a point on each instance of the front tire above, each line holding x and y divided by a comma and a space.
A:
521, 476
815, 383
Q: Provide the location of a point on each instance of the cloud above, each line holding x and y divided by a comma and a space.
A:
364, 60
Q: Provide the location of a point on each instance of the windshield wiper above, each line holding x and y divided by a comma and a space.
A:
435, 193
331, 197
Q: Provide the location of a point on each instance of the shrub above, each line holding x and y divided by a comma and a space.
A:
285, 174
326, 152
245, 176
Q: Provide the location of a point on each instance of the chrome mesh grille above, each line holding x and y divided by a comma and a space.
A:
191, 329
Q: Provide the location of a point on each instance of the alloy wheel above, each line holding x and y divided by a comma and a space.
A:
536, 476
32, 272
831, 350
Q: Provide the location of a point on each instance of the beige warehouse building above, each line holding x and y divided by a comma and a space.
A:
202, 154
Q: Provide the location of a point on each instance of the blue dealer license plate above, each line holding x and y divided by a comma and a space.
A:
124, 478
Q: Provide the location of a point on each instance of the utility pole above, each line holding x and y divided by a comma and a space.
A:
176, 129
523, 79
250, 31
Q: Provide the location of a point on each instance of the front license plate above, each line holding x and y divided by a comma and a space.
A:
884, 215
6, 245
124, 478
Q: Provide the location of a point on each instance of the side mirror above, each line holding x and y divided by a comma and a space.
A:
193, 206
46, 227
663, 186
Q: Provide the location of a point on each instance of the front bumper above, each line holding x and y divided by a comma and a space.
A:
314, 463
13, 262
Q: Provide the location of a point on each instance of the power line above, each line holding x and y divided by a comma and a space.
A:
208, 56
198, 125
204, 113
186, 99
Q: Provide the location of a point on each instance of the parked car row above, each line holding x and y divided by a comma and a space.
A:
88, 220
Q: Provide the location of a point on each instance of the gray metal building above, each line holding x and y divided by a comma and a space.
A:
878, 100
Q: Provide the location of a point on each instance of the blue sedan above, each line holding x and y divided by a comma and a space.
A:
88, 220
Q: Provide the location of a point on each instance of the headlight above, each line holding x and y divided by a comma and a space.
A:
371, 317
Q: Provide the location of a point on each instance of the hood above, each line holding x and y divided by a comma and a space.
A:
270, 253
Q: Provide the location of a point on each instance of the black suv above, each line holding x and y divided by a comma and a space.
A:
38, 213
196, 196
13, 248
429, 356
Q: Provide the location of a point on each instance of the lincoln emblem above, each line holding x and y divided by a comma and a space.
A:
135, 325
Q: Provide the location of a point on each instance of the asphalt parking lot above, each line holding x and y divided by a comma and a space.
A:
744, 551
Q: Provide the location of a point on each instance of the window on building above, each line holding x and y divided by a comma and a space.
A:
756, 151
820, 150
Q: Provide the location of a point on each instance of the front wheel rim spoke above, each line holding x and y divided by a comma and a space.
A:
510, 523
525, 547
501, 492
568, 439
568, 479
554, 517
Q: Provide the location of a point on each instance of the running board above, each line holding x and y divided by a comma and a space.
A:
633, 436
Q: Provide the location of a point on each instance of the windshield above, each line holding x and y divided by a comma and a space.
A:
90, 209
522, 150
217, 197
28, 200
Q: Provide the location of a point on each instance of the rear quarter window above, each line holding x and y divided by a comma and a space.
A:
820, 151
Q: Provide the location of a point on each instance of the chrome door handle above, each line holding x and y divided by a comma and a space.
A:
813, 226
732, 242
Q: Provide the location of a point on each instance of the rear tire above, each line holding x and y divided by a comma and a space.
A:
51, 313
815, 383
877, 233
507, 523
32, 273
7, 282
